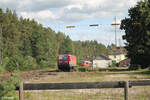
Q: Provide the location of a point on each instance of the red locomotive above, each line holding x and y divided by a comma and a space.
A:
66, 62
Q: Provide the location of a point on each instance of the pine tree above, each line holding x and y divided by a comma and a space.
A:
67, 46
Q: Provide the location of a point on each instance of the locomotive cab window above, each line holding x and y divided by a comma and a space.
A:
65, 57
60, 57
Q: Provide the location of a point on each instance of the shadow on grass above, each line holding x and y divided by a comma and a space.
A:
117, 70
114, 70
125, 71
145, 72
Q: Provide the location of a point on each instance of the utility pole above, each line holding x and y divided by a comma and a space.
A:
115, 33
115, 24
119, 42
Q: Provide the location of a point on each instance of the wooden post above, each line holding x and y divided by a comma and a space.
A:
126, 90
21, 91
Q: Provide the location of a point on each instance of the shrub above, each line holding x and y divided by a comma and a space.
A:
29, 63
19, 63
7, 89
44, 63
12, 63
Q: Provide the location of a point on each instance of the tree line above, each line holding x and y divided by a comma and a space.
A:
26, 44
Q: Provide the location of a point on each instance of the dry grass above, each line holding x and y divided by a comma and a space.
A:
59, 77
86, 94
135, 93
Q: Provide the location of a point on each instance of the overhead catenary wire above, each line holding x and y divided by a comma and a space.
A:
90, 27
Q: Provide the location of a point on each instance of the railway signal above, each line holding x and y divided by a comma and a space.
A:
136, 23
93, 25
70, 26
115, 24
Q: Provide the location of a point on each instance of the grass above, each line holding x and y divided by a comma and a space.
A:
63, 77
74, 95
135, 93
97, 75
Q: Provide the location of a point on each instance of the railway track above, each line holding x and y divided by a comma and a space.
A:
27, 75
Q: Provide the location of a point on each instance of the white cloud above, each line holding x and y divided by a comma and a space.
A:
12, 4
74, 6
46, 14
38, 5
41, 16
68, 11
85, 9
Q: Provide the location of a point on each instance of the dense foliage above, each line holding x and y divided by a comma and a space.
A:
26, 44
137, 29
8, 88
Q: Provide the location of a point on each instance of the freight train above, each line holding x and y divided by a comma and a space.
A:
66, 62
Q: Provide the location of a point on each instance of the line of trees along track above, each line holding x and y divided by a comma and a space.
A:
26, 44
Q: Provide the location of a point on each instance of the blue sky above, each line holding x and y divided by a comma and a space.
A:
58, 14
104, 33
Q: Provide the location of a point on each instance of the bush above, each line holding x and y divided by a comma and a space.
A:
12, 63
44, 63
8, 64
7, 89
19, 63
29, 63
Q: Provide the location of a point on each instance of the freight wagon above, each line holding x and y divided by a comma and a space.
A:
66, 62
